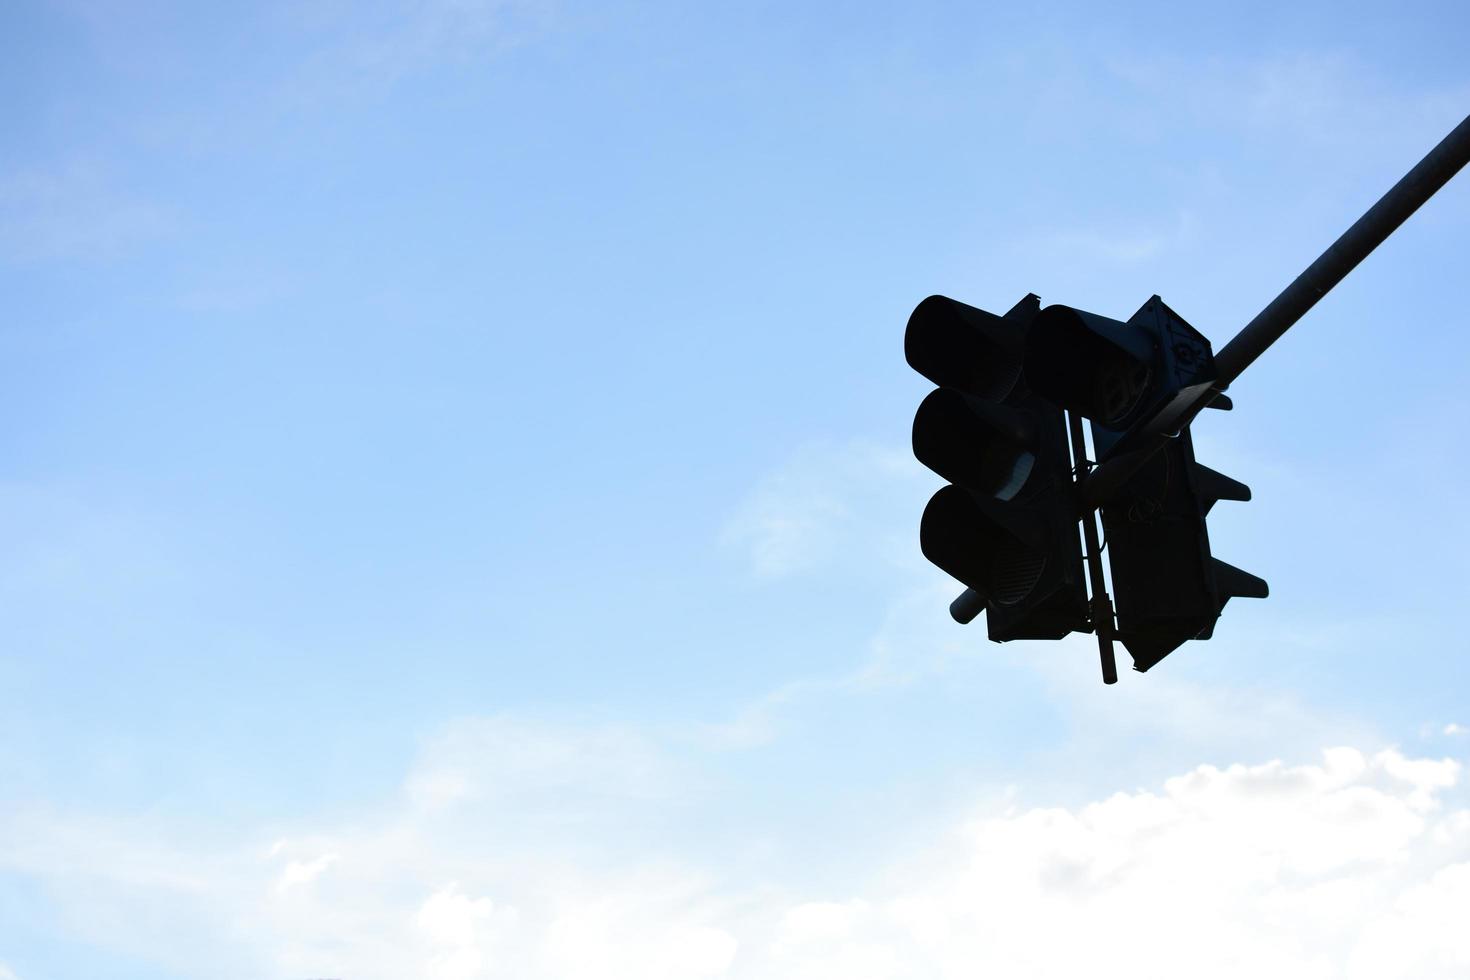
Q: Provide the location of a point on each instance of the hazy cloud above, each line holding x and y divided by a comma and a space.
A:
370, 45
503, 761
1354, 866
74, 212
826, 504
1093, 245
1316, 96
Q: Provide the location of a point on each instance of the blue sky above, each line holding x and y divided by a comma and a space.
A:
458, 518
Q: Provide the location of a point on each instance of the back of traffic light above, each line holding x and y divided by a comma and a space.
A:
1141, 383
1167, 587
1006, 524
1131, 380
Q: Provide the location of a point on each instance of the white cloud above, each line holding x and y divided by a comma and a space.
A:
462, 931
1277, 867
1355, 866
301, 873
1454, 728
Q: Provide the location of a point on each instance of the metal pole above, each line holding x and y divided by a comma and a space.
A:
1354, 245
1101, 606
1366, 234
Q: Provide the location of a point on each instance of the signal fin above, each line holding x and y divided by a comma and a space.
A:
1214, 486
1232, 582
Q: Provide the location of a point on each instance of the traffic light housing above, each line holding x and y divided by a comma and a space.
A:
1130, 380
1141, 383
1006, 526
1127, 378
1167, 587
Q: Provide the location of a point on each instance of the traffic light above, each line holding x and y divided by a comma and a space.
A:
1127, 378
1006, 526
1131, 379
1167, 588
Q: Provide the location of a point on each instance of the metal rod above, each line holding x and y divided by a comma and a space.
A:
1101, 605
1355, 244
1108, 478
966, 606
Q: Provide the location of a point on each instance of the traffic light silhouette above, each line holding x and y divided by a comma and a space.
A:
1006, 525
1128, 379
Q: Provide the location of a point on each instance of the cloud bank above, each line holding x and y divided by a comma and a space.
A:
1357, 865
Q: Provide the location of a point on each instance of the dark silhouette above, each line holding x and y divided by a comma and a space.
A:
1013, 392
